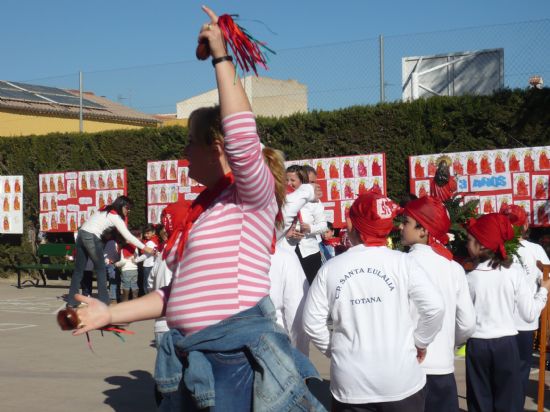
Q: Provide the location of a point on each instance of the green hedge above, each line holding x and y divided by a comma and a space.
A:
507, 119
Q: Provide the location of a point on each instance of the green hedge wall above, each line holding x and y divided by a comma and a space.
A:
440, 124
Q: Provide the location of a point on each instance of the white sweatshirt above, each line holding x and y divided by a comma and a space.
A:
288, 292
313, 213
126, 263
529, 253
460, 317
100, 221
367, 292
159, 277
293, 203
495, 293
148, 259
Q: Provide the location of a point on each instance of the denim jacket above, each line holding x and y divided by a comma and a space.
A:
279, 379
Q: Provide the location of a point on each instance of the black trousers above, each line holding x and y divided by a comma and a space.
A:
493, 382
414, 403
311, 264
525, 340
441, 393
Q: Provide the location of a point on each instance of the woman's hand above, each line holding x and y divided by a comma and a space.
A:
211, 34
293, 234
93, 316
305, 228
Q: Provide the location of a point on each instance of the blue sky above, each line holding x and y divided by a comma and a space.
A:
142, 52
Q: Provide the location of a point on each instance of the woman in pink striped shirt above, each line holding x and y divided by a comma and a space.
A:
220, 256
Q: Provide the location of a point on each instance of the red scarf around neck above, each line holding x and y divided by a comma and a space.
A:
333, 241
199, 205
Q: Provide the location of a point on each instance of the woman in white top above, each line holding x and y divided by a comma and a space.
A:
312, 222
89, 245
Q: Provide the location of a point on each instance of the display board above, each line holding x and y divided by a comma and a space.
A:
67, 199
167, 182
11, 201
494, 177
342, 179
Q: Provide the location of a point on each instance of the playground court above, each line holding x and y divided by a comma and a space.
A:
43, 368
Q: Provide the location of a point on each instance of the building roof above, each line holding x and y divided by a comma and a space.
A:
49, 101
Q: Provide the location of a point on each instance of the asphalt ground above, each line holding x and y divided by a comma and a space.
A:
45, 369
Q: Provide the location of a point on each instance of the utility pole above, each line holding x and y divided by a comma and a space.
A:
80, 109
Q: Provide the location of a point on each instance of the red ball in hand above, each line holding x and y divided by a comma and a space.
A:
203, 50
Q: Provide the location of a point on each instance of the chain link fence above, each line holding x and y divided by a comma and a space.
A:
332, 76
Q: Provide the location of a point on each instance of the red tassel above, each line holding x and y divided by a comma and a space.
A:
245, 48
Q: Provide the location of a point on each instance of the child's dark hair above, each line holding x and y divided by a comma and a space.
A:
495, 259
300, 172
309, 169
336, 231
109, 233
118, 204
149, 228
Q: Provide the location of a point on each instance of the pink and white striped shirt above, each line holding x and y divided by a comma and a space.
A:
225, 265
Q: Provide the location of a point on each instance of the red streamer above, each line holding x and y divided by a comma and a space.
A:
246, 49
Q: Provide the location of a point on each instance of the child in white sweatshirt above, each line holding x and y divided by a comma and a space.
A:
424, 228
529, 253
374, 348
497, 287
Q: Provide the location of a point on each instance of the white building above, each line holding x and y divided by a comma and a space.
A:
268, 97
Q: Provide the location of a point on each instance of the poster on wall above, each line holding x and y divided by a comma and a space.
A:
494, 177
168, 181
11, 201
67, 199
342, 179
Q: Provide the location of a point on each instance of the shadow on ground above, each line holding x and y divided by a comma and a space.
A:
131, 393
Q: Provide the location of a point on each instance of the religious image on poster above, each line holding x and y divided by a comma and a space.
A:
11, 203
168, 181
68, 199
343, 178
494, 177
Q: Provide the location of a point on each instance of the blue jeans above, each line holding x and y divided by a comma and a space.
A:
88, 246
113, 282
215, 364
233, 383
87, 283
146, 272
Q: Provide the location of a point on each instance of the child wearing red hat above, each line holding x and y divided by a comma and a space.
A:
497, 286
529, 253
374, 347
424, 228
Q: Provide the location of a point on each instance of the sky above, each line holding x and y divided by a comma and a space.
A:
141, 53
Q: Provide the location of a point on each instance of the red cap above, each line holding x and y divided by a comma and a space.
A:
432, 214
516, 214
492, 230
372, 216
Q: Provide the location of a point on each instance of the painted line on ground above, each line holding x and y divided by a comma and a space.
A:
14, 326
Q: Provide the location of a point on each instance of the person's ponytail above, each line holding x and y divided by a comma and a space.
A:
276, 162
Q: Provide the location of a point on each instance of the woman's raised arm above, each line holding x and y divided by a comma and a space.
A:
233, 98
